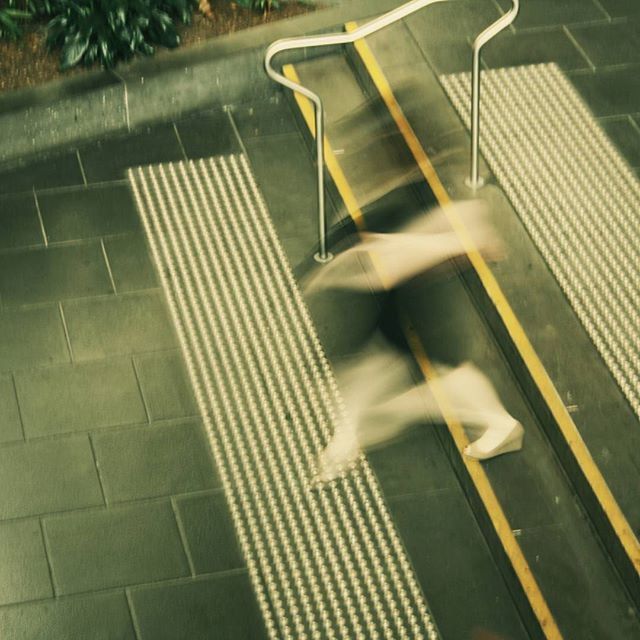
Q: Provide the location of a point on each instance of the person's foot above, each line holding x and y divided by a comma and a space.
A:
477, 405
339, 456
503, 435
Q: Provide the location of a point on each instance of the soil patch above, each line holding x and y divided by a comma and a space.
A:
27, 62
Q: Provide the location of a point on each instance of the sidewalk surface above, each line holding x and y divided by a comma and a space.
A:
113, 522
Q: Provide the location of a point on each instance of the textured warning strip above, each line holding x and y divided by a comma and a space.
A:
325, 563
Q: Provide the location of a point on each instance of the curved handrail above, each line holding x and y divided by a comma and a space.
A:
492, 30
332, 39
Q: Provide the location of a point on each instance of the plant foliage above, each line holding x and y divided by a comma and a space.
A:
110, 31
263, 5
10, 18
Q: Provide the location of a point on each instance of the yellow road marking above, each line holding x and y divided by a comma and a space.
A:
539, 374
335, 170
474, 468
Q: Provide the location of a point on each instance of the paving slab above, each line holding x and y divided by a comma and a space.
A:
109, 159
130, 264
79, 397
19, 222
165, 386
47, 476
221, 607
10, 419
87, 212
94, 550
32, 337
25, 571
209, 532
103, 616
54, 273
115, 325
148, 462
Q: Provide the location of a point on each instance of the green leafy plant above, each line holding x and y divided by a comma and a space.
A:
10, 18
263, 5
110, 31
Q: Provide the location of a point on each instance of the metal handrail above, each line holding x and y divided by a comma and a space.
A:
332, 39
491, 31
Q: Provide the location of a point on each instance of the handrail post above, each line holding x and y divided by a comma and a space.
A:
474, 180
322, 255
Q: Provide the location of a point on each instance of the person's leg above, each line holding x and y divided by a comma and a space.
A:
466, 393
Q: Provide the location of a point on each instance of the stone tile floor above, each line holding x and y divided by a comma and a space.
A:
112, 522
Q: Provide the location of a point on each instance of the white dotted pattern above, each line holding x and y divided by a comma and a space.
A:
576, 195
324, 562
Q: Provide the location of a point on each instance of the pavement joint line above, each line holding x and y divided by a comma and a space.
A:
84, 175
141, 293
539, 374
599, 5
623, 66
143, 397
75, 242
97, 469
125, 89
596, 22
111, 357
136, 586
66, 332
474, 468
112, 428
179, 138
40, 220
236, 132
183, 537
108, 266
95, 508
633, 123
132, 613
47, 555
579, 47
63, 189
15, 394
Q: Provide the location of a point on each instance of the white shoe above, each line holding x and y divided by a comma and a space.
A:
478, 407
503, 435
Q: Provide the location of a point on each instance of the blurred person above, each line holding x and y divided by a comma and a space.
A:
380, 398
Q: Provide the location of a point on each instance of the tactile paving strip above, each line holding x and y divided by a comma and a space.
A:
325, 562
576, 195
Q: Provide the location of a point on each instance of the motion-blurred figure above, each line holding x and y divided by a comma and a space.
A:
381, 400
384, 261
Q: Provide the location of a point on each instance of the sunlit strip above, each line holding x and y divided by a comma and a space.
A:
205, 217
242, 239
388, 529
213, 414
591, 255
250, 296
239, 368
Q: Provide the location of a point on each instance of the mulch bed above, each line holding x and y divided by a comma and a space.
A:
27, 62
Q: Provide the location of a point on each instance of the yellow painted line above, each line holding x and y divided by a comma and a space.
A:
539, 374
474, 468
337, 174
487, 495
